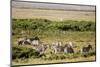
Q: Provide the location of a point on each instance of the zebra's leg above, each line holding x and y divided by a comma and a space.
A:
55, 50
65, 50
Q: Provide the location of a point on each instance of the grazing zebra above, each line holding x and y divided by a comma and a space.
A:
34, 41
41, 48
25, 40
21, 41
57, 47
69, 50
86, 49
66, 48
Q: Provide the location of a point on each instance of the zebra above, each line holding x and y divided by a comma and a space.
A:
86, 49
21, 41
41, 48
60, 48
32, 41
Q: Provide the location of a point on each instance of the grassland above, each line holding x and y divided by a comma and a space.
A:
40, 61
52, 25
58, 15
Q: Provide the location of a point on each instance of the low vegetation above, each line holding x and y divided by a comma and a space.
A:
44, 25
23, 52
48, 31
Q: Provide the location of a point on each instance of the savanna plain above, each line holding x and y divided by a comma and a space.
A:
78, 27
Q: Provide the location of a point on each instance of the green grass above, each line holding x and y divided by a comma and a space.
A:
33, 57
48, 30
79, 32
49, 37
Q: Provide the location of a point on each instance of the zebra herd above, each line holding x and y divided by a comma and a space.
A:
55, 46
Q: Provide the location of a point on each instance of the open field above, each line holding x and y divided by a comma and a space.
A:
57, 15
51, 23
79, 32
49, 31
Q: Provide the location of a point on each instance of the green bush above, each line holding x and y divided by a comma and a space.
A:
88, 54
24, 52
44, 25
77, 26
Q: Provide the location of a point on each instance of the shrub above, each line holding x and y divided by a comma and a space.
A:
24, 52
77, 26
91, 53
44, 24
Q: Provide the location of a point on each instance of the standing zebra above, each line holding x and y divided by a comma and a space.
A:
60, 48
33, 41
41, 48
21, 41
86, 49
